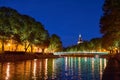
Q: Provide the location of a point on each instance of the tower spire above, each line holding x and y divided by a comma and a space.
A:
80, 39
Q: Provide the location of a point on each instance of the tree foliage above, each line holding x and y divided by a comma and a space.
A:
21, 28
92, 45
110, 24
55, 43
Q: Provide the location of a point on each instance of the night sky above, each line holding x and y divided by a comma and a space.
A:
66, 18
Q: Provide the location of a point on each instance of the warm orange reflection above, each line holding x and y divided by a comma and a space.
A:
49, 69
46, 62
105, 63
53, 69
40, 69
34, 69
7, 71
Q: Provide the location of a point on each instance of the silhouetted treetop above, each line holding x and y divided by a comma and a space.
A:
110, 23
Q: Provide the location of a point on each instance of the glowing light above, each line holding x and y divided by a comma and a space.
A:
93, 64
115, 48
34, 69
9, 44
79, 65
40, 71
53, 69
46, 62
7, 72
65, 63
105, 63
85, 59
101, 69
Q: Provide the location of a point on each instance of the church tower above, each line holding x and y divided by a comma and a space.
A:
80, 39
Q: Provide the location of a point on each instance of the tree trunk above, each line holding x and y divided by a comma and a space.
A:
31, 48
3, 45
16, 47
43, 50
26, 47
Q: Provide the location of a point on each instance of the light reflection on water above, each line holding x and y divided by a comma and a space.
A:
68, 68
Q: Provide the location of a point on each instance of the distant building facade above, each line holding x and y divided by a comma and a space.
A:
80, 39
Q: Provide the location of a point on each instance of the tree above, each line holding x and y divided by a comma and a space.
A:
5, 26
96, 44
22, 29
92, 45
41, 36
55, 44
26, 30
110, 23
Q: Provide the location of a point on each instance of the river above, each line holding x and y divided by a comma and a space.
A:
67, 68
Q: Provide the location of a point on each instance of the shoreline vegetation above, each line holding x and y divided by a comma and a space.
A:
9, 56
20, 32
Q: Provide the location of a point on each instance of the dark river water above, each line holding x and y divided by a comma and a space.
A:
67, 68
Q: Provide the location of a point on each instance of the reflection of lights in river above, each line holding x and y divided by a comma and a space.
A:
7, 72
65, 63
79, 65
85, 59
93, 68
46, 62
100, 69
53, 69
93, 65
34, 70
105, 63
40, 71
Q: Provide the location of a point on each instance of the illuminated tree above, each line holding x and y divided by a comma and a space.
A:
22, 29
26, 30
41, 36
33, 33
92, 45
16, 25
96, 44
110, 23
55, 43
5, 26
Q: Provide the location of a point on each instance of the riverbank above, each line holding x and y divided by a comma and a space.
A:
20, 56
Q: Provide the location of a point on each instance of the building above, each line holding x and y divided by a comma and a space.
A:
80, 39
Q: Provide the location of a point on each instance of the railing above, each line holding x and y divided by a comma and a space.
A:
80, 52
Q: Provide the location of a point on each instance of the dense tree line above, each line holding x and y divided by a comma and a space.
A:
92, 45
23, 29
110, 24
109, 27
55, 44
